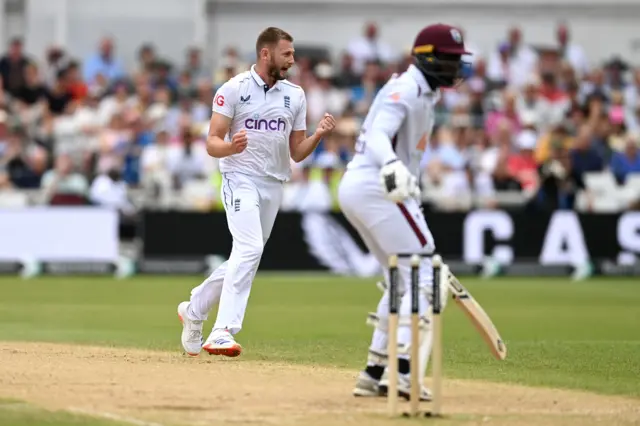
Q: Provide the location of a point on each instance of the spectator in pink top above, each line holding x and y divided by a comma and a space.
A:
507, 112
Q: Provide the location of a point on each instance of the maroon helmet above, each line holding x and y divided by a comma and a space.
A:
438, 50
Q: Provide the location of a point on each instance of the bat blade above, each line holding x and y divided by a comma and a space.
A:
478, 317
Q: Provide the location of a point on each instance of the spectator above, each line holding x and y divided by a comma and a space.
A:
58, 97
507, 112
558, 185
628, 161
194, 66
499, 66
477, 108
12, 67
583, 157
154, 163
522, 165
76, 87
323, 97
232, 65
347, 78
369, 48
159, 110
571, 52
523, 58
119, 102
33, 90
76, 133
142, 98
557, 135
188, 160
140, 138
480, 74
185, 87
24, 161
114, 141
530, 105
618, 135
62, 185
501, 176
514, 61
56, 61
601, 128
162, 77
146, 58
103, 63
109, 190
632, 96
615, 71
567, 76
454, 158
362, 96
557, 103
595, 86
187, 112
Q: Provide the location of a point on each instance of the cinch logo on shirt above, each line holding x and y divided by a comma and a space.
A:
263, 124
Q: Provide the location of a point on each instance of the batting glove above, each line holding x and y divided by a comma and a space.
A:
397, 182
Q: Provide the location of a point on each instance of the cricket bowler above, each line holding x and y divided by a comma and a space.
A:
257, 126
380, 195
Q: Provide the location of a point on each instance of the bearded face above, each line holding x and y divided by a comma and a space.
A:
280, 60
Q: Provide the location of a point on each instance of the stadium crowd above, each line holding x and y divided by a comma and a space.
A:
541, 124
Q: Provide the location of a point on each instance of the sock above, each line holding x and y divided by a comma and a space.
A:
375, 371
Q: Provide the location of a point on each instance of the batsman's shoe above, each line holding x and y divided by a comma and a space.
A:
404, 387
366, 385
191, 331
221, 342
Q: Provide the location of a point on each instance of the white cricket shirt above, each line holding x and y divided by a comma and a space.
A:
268, 116
399, 123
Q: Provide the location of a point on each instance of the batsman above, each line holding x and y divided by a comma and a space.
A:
380, 195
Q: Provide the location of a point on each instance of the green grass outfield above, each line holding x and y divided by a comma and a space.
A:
558, 333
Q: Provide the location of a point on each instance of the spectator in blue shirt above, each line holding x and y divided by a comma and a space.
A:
142, 137
584, 157
628, 161
104, 62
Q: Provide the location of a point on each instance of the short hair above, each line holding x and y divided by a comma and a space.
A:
270, 37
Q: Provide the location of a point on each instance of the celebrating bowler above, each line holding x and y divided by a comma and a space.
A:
258, 124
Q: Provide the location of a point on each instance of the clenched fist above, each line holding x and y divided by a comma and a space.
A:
326, 125
239, 142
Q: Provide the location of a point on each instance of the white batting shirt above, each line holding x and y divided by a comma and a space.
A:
268, 115
399, 123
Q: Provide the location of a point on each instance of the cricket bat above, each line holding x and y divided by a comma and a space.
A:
478, 317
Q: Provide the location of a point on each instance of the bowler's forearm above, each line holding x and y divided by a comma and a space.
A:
305, 148
218, 147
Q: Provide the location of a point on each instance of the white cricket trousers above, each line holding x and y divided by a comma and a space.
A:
388, 228
251, 204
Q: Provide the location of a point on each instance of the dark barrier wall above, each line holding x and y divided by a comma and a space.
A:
320, 241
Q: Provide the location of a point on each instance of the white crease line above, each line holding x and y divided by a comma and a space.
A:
111, 416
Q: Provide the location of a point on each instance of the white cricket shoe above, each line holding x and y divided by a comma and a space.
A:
366, 385
404, 387
191, 331
221, 342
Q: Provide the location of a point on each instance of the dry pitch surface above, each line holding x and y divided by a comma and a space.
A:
161, 388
